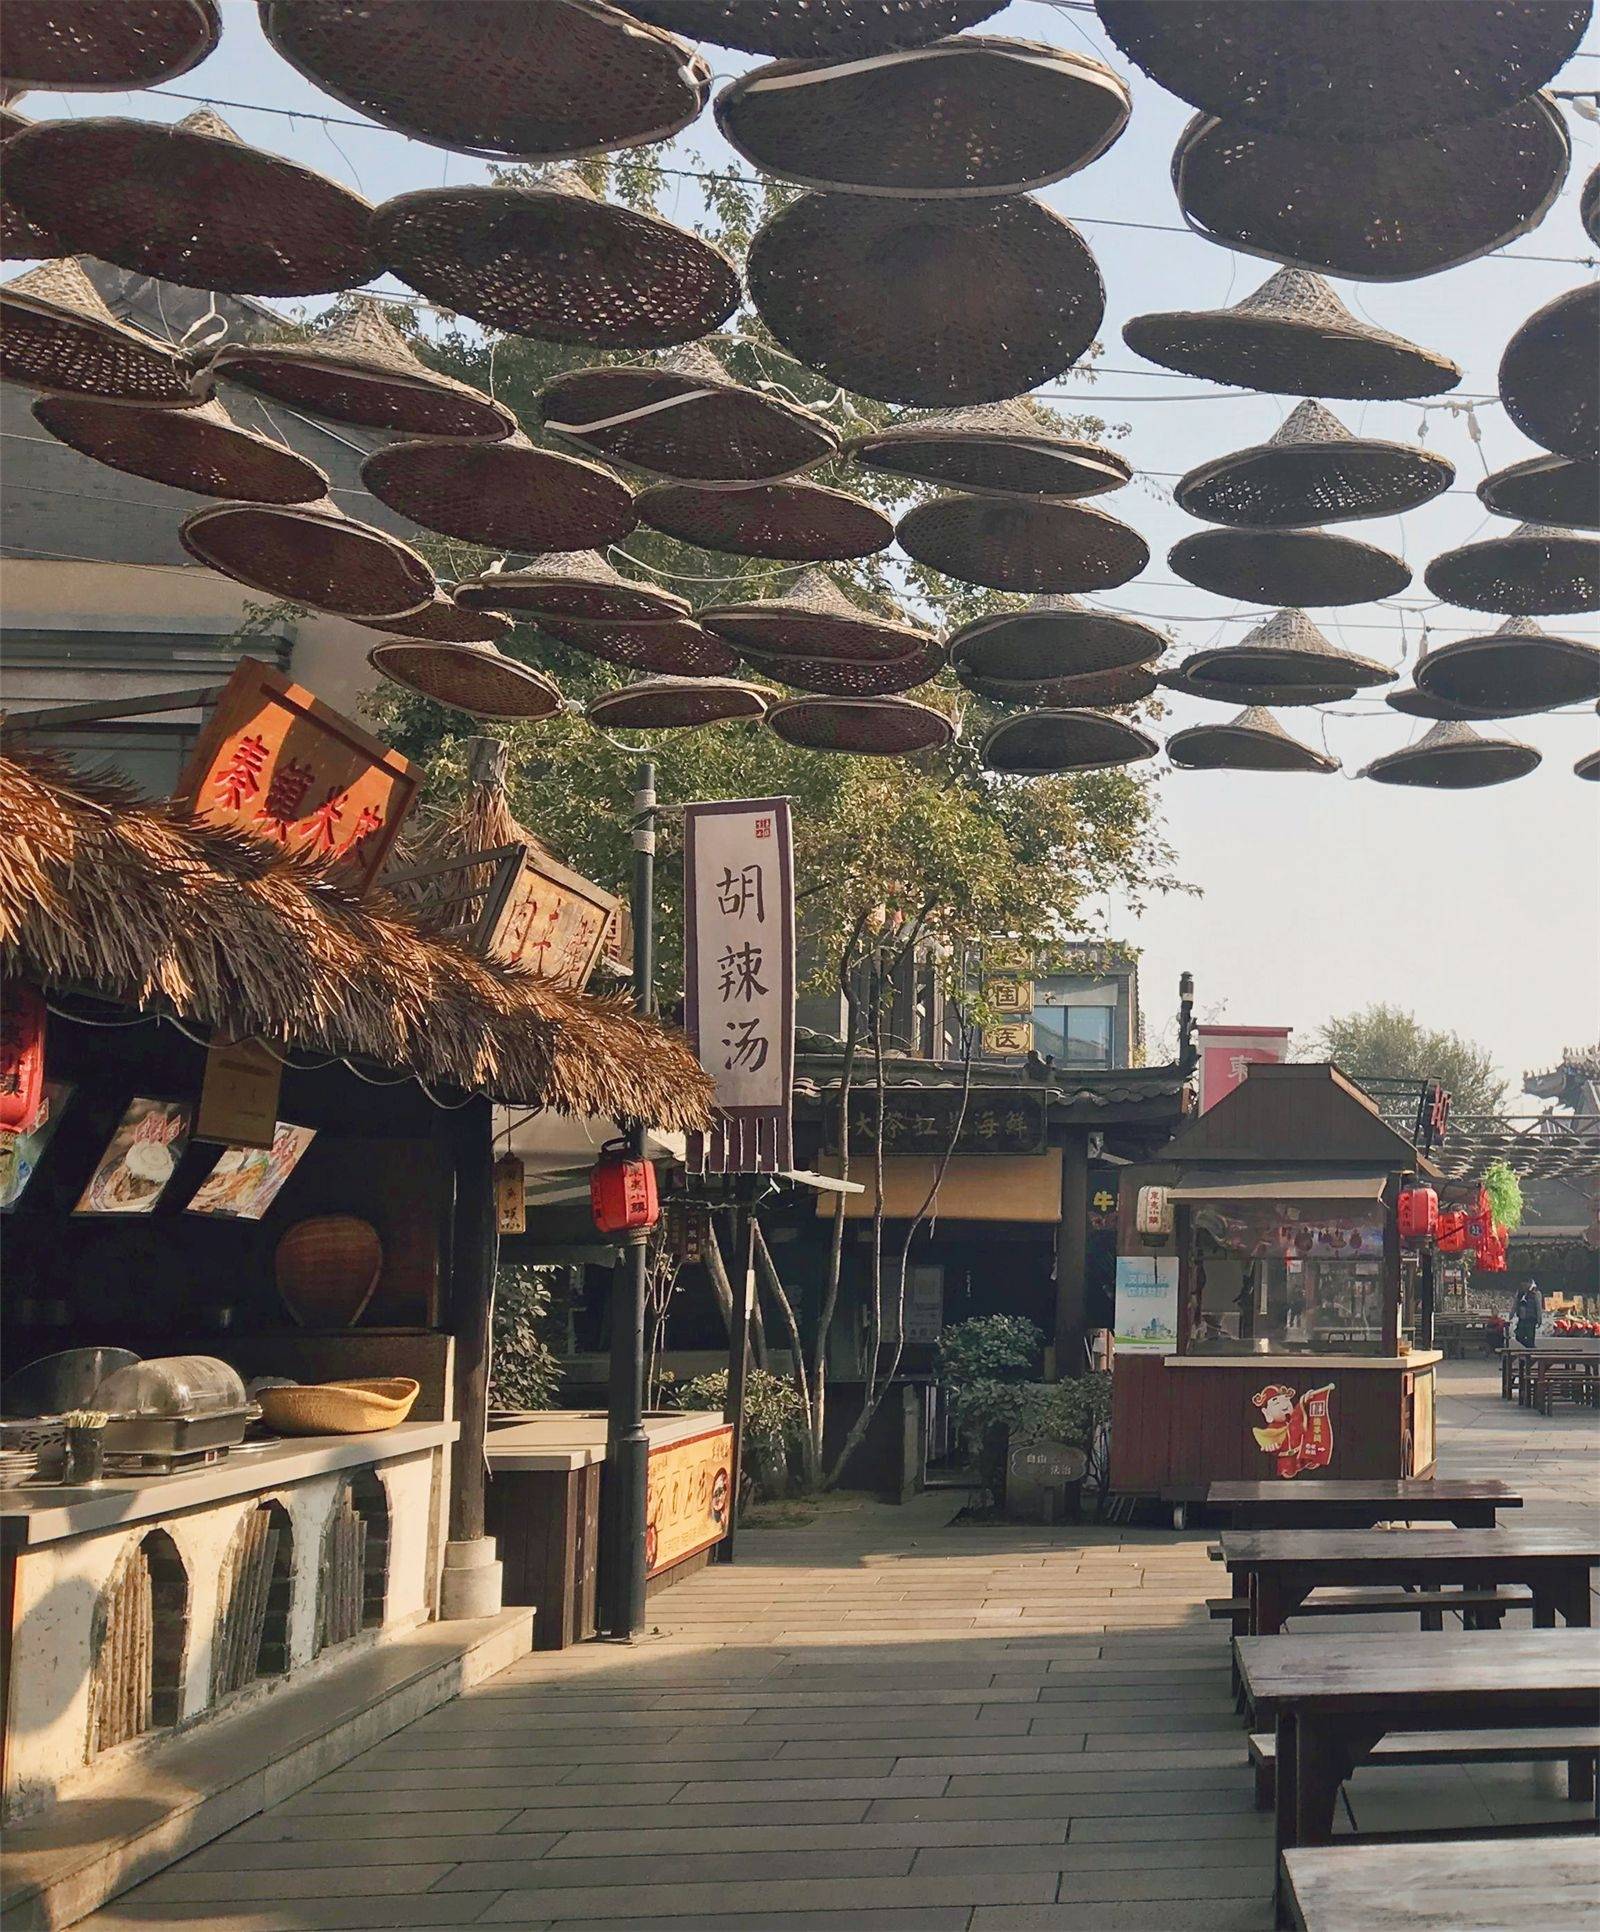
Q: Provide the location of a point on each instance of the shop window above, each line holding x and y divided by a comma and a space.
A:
1075, 1036
354, 1581
257, 1586
1295, 1278
140, 1637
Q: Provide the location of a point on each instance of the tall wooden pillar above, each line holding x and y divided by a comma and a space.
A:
1072, 1245
474, 1256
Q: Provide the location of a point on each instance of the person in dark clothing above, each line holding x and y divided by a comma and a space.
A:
1526, 1313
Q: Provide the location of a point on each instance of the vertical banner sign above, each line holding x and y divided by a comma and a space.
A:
739, 979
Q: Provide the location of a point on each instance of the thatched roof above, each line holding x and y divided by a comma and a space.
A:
106, 893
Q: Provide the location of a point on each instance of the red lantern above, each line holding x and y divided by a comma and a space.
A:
1419, 1213
1452, 1231
622, 1192
21, 1058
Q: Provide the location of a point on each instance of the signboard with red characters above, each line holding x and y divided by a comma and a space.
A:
554, 922
690, 1497
1297, 1431
279, 763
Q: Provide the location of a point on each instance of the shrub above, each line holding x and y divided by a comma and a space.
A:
990, 1348
774, 1417
523, 1370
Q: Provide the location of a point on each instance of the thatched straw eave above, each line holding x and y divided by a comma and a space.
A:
107, 893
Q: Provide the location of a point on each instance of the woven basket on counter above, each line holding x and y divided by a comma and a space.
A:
354, 1408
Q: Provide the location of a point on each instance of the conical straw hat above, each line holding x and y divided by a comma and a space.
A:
1588, 766
21, 240
819, 29
1054, 636
678, 648
444, 621
866, 727
562, 78
1284, 649
311, 554
1589, 205
677, 704
1297, 567
842, 677
1253, 741
476, 678
506, 495
1036, 744
1546, 489
191, 203
1253, 692
1452, 756
1547, 380
56, 333
1013, 543
201, 449
992, 449
1532, 571
1516, 670
797, 522
1088, 691
813, 618
577, 584
112, 46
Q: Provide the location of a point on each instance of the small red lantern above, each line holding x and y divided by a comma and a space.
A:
1419, 1213
1452, 1231
622, 1192
21, 1058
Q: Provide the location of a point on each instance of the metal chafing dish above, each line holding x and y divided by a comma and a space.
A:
171, 1412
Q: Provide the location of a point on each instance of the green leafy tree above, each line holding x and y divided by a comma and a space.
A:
524, 1372
1387, 1043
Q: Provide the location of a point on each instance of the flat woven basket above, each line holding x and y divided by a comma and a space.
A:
1375, 211
1311, 471
1292, 336
444, 621
110, 46
677, 649
1302, 567
1546, 489
312, 554
837, 677
56, 333
21, 240
1012, 544
556, 262
1453, 757
199, 449
971, 116
930, 302
1339, 71
677, 704
798, 522
476, 678
1533, 571
580, 584
685, 417
1547, 379
1088, 691
818, 29
813, 618
1253, 741
866, 727
1516, 670
506, 495
339, 1408
1037, 744
1285, 649
1053, 637
564, 77
191, 203
993, 449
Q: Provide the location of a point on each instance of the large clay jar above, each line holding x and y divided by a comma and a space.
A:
327, 1268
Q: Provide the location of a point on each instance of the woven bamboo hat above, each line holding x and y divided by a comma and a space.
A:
1547, 379
555, 261
1532, 571
506, 495
1589, 205
580, 584
1588, 766
475, 678
563, 78
1016, 544
312, 554
814, 618
1253, 741
21, 240
1284, 649
1089, 692
362, 370
87, 46
842, 677
1253, 693
1453, 757
677, 704
191, 203
1413, 703
1546, 489
992, 449
928, 302
444, 622
1343, 72
1037, 743
970, 116
1515, 670
1052, 637
867, 727
800, 522
1376, 211
1312, 470
1302, 567
1295, 337
201, 449
818, 29
56, 333
676, 649
686, 417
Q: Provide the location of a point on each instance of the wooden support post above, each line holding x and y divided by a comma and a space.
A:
474, 1255
1072, 1242
744, 1289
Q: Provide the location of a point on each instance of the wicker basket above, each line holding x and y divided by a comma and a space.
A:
104, 45
992, 449
1547, 380
21, 240
327, 1268
798, 522
1305, 568
1532, 571
339, 1408
1020, 544
506, 495
819, 29
1563, 490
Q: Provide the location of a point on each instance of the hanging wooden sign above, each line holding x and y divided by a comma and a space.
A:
553, 921
511, 1195
239, 1094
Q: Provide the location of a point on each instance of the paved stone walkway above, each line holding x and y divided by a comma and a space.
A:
872, 1720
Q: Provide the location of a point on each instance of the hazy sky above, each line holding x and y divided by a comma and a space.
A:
1480, 910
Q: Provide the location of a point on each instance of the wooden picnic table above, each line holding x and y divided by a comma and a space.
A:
1281, 1568
1474, 1886
1319, 1503
1335, 1698
1522, 1370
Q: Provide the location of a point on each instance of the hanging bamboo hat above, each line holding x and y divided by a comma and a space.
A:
1251, 692
563, 78
56, 333
1588, 766
1284, 649
556, 262
1089, 692
677, 704
814, 618
800, 522
1299, 567
1343, 73
362, 370
1547, 380
1253, 741
966, 117
1295, 337
1453, 757
928, 302
676, 649
686, 417
1413, 703
867, 727
1376, 211
475, 678
311, 554
21, 240
1039, 743
1589, 205
112, 46
1052, 637
992, 449
191, 203
817, 29
1009, 543
1515, 670
444, 622
1533, 571
506, 495
1312, 470
579, 584
201, 449
1546, 489
842, 677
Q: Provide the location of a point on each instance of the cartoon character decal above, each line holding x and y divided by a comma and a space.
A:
1298, 1431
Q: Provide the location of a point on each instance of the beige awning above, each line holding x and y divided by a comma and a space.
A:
1250, 1184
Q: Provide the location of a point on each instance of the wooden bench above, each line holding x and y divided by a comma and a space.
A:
1579, 1745
1469, 1885
1480, 1609
1572, 1385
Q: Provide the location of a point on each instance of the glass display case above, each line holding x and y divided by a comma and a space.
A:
1277, 1277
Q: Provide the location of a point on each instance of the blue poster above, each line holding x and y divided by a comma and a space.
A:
1147, 1304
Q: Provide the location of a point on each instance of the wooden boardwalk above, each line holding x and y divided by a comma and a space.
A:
872, 1720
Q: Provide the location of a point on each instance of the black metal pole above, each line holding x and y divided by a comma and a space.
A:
743, 1286
625, 1491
